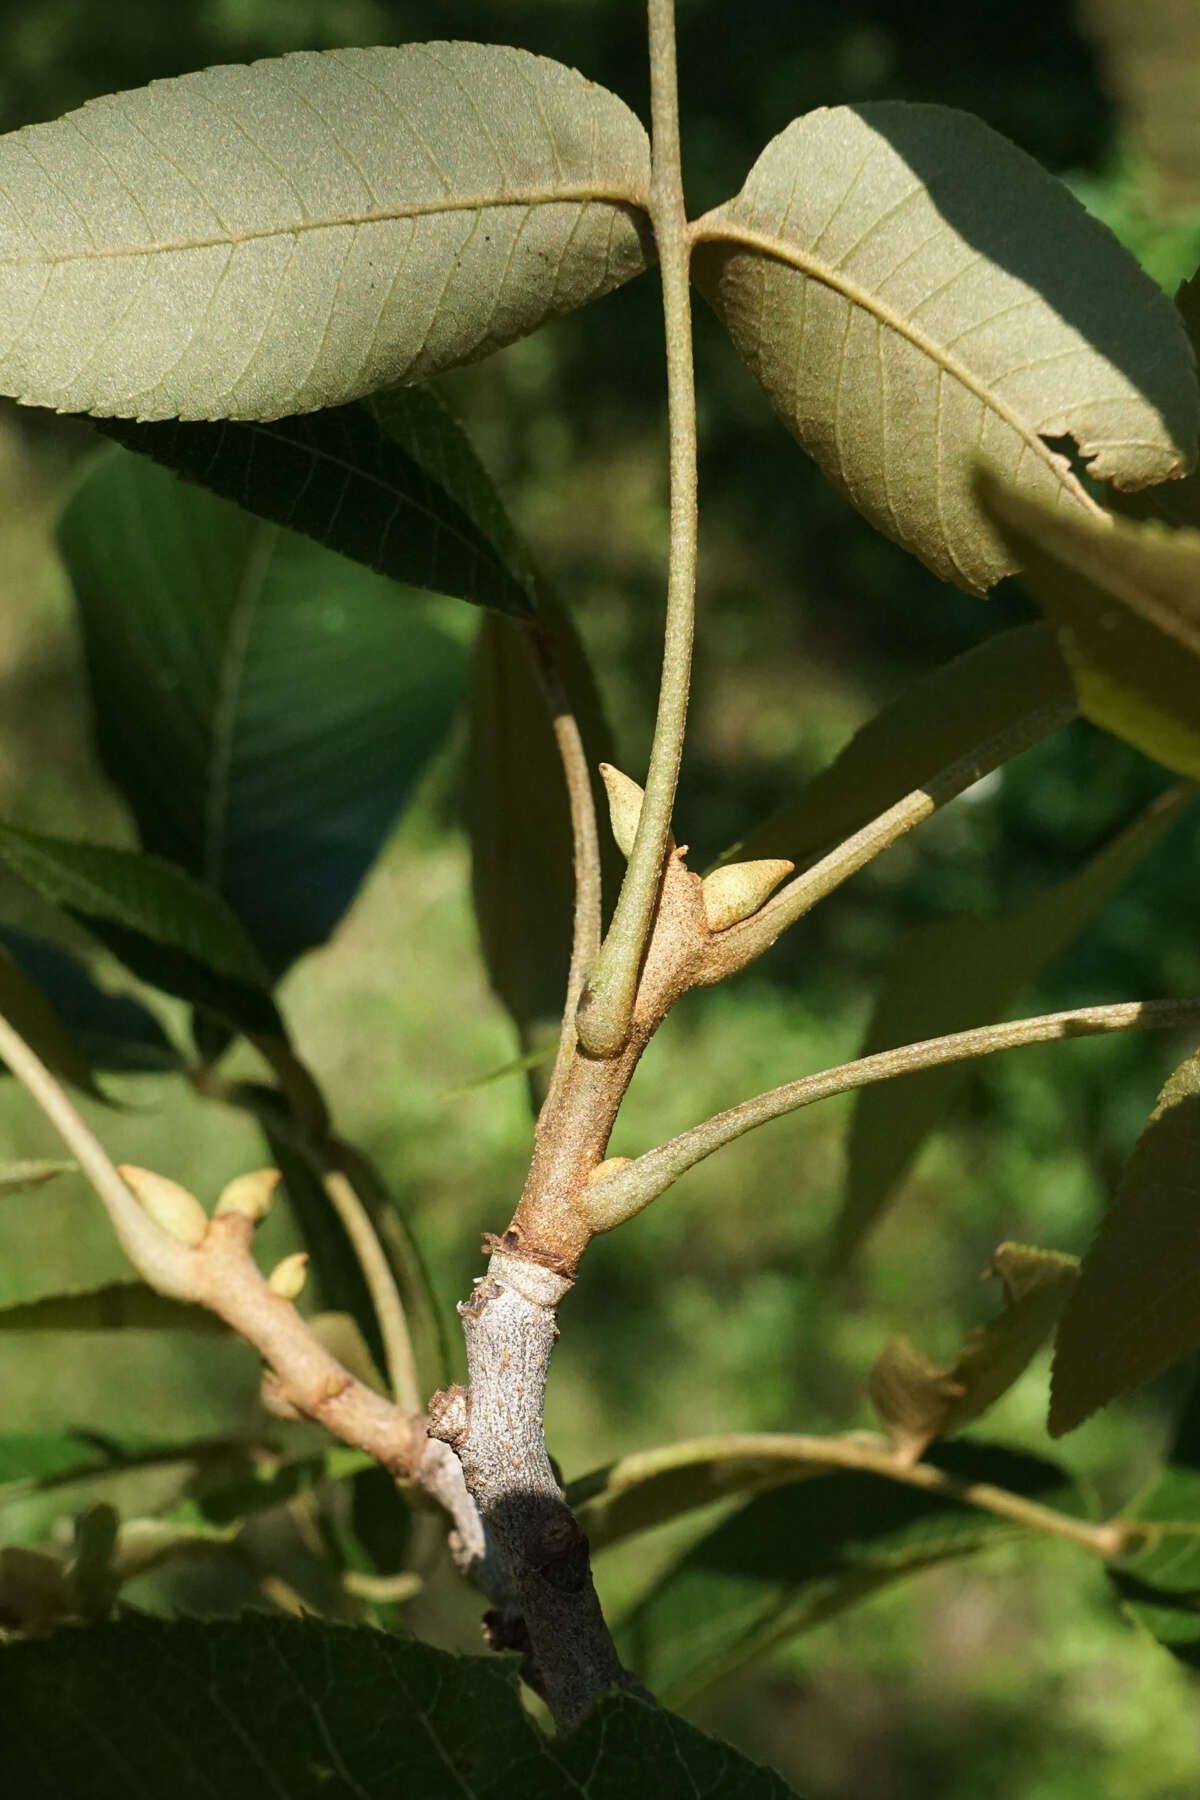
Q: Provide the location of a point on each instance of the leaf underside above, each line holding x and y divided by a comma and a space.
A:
1126, 600
915, 294
245, 242
1136, 1309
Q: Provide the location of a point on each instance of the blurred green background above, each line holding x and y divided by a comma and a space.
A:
1011, 1676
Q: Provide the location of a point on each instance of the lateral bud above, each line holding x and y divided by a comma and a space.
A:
624, 806
251, 1195
287, 1278
739, 889
172, 1208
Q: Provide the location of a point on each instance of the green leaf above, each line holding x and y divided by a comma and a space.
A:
914, 292
35, 1457
114, 1031
1150, 54
918, 1402
1126, 600
30, 1013
170, 930
287, 701
1159, 1585
23, 1177
1015, 683
183, 1710
957, 973
793, 1557
119, 1306
391, 482
1136, 1309
247, 242
522, 858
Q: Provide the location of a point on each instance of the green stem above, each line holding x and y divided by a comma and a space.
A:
608, 1000
775, 1458
626, 1191
741, 943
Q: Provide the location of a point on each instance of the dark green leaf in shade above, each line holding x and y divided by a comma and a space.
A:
522, 861
1125, 597
35, 1457
183, 1710
949, 976
287, 700
1136, 1309
390, 481
115, 1032
918, 1402
29, 1012
169, 929
1016, 680
790, 1558
119, 1306
1159, 1584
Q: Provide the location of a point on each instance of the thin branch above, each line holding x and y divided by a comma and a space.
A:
794, 1452
743, 942
164, 1263
617, 1197
587, 922
403, 1377
608, 1000
220, 1273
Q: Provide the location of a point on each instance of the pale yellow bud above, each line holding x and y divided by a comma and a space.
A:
251, 1195
624, 806
739, 889
171, 1207
288, 1277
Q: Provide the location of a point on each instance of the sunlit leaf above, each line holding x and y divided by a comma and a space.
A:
1126, 600
287, 700
390, 481
1136, 1309
113, 1031
915, 293
170, 930
247, 242
949, 976
1151, 59
919, 1402
185, 1709
792, 1558
1015, 684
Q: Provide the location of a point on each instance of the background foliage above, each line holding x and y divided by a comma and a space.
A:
1009, 1675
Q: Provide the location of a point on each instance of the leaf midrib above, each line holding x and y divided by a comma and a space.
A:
711, 229
584, 194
